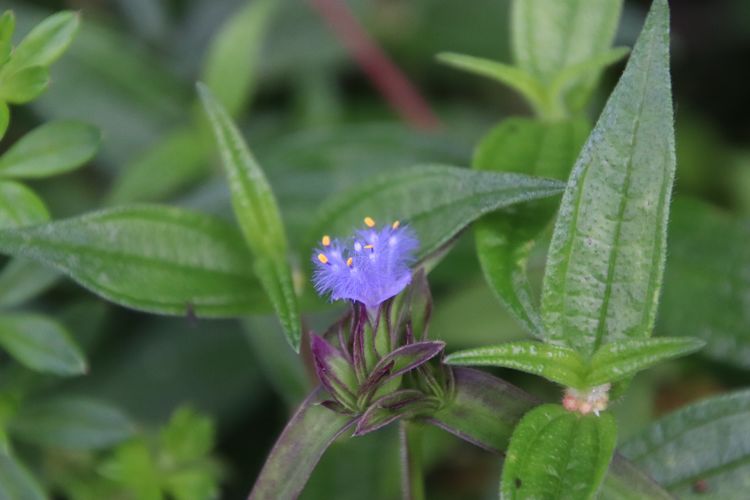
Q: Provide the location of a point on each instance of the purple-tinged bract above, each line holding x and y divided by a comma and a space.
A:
370, 267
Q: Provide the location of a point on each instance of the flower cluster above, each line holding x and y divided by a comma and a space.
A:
370, 267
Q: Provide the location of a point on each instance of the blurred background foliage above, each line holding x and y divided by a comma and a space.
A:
318, 127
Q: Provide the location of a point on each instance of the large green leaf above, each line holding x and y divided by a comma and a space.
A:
20, 206
232, 62
558, 454
707, 281
50, 149
606, 259
44, 44
40, 344
623, 359
551, 35
258, 214
557, 363
7, 27
71, 423
151, 258
701, 451
410, 196
505, 240
16, 482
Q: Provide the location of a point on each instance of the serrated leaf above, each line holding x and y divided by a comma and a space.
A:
549, 36
21, 280
20, 206
24, 85
409, 196
50, 149
622, 359
606, 258
707, 283
558, 454
16, 482
156, 259
556, 363
44, 44
72, 423
504, 240
40, 344
700, 451
231, 65
516, 78
258, 214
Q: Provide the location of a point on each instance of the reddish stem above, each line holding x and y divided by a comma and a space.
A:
395, 87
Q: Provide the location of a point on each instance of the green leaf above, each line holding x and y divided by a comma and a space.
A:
623, 359
40, 344
566, 79
72, 423
45, 43
558, 454
16, 482
233, 58
20, 206
606, 258
504, 240
707, 443
409, 196
188, 436
258, 215
516, 78
7, 27
4, 119
556, 363
51, 149
707, 283
22, 280
172, 164
24, 85
549, 36
134, 468
156, 259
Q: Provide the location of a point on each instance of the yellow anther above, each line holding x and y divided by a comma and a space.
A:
322, 258
369, 222
326, 240
369, 247
349, 261
396, 224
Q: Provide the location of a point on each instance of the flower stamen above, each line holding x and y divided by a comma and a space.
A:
323, 259
395, 224
326, 241
369, 222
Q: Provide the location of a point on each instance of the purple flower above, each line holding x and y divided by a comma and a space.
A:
371, 267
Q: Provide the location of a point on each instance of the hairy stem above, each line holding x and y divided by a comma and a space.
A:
410, 438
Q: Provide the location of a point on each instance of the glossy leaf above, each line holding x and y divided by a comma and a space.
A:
71, 423
409, 196
706, 443
623, 359
24, 85
44, 44
516, 78
20, 206
706, 284
16, 481
549, 36
258, 215
556, 363
40, 344
232, 62
297, 451
558, 454
504, 240
606, 258
50, 149
156, 259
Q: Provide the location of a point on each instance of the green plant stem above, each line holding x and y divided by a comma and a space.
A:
410, 437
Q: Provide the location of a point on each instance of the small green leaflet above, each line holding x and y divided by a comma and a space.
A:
258, 214
20, 206
554, 452
606, 258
